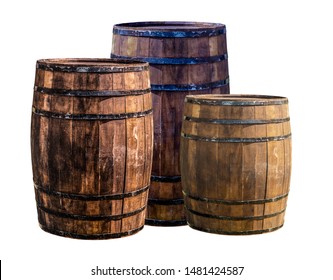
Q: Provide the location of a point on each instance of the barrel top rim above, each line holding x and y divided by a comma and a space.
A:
169, 29
92, 64
169, 25
236, 99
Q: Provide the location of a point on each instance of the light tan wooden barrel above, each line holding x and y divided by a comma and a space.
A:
91, 146
236, 162
184, 58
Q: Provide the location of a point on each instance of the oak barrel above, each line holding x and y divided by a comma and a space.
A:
91, 146
236, 162
184, 58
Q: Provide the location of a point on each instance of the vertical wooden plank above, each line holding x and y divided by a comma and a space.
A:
119, 150
48, 79
105, 81
199, 47
132, 44
148, 123
156, 74
80, 81
39, 77
199, 73
167, 133
118, 81
123, 45
275, 169
181, 47
157, 153
169, 47
91, 185
156, 47
134, 154
222, 43
79, 156
93, 81
235, 168
106, 160
145, 80
213, 46
53, 152
116, 44
142, 47
131, 81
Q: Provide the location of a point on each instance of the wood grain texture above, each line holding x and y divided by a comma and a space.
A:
91, 146
185, 58
235, 162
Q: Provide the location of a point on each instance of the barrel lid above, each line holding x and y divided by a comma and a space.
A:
169, 29
91, 65
236, 99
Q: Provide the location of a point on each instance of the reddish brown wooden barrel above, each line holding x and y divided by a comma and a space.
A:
236, 162
91, 146
185, 58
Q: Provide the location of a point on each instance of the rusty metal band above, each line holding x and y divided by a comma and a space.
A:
247, 232
237, 202
234, 121
85, 197
165, 223
133, 29
165, 179
154, 201
68, 116
189, 87
265, 100
235, 140
89, 236
175, 60
89, 218
90, 93
92, 69
236, 218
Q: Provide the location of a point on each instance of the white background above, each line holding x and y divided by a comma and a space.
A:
275, 48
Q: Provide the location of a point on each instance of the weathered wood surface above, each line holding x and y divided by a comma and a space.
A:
236, 162
91, 146
185, 58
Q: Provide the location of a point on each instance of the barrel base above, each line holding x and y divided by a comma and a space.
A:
249, 232
90, 236
165, 223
